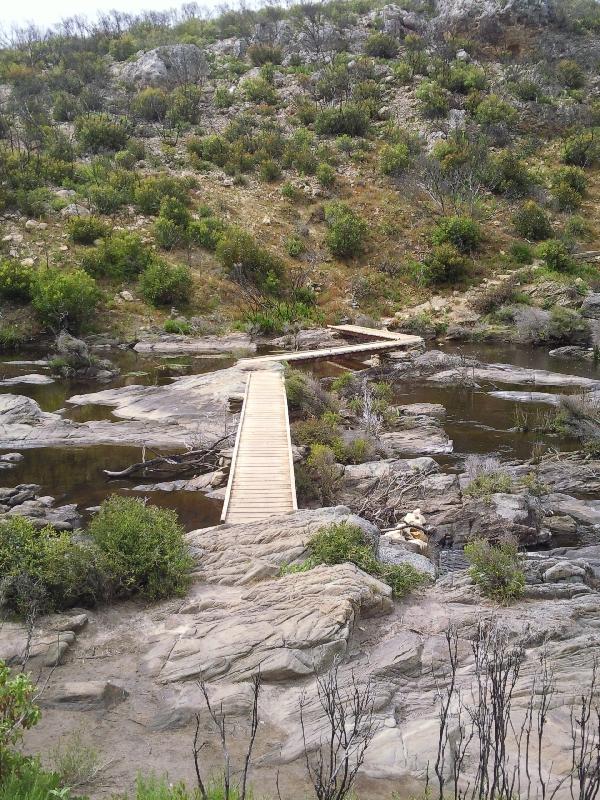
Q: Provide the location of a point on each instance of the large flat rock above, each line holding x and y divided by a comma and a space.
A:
204, 345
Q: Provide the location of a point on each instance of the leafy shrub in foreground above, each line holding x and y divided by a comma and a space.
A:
85, 230
556, 255
43, 570
122, 256
445, 265
381, 45
507, 174
462, 232
581, 149
165, 284
260, 54
151, 192
570, 74
16, 281
18, 713
150, 104
98, 132
346, 231
342, 542
434, 99
142, 548
394, 159
493, 110
532, 222
496, 569
243, 258
350, 119
567, 326
64, 299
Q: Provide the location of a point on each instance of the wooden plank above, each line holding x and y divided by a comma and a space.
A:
331, 352
375, 333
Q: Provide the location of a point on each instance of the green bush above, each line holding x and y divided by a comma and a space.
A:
521, 253
462, 232
26, 780
152, 191
394, 159
568, 186
122, 256
445, 265
434, 99
507, 174
43, 570
258, 90
581, 149
64, 299
306, 395
570, 74
260, 54
171, 227
242, 257
346, 231
184, 105
464, 78
381, 45
16, 281
214, 148
164, 284
556, 255
343, 542
493, 110
106, 199
489, 483
567, 326
325, 174
270, 170
98, 132
142, 548
351, 119
532, 222
150, 104
178, 326
85, 230
18, 713
496, 569
206, 232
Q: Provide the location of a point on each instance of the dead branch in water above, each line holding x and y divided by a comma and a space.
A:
197, 460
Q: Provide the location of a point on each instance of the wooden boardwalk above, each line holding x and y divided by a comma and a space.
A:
261, 479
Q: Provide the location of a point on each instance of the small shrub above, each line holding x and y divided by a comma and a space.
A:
381, 45
85, 230
152, 191
532, 222
269, 170
142, 548
177, 326
206, 232
260, 54
98, 132
150, 104
184, 105
489, 483
582, 149
122, 256
305, 394
64, 299
106, 199
496, 569
493, 110
464, 78
18, 713
445, 265
567, 326
556, 256
509, 175
521, 252
325, 175
16, 281
165, 284
434, 99
462, 232
214, 149
346, 231
350, 119
570, 74
241, 256
394, 159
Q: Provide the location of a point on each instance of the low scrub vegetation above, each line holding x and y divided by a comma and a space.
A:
496, 568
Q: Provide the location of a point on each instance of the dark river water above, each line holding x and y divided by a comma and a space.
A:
475, 421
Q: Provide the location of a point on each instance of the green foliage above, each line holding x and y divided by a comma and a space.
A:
567, 326
381, 45
570, 74
242, 257
346, 231
178, 326
305, 394
445, 265
206, 232
531, 221
295, 246
342, 542
270, 170
394, 159
260, 54
120, 257
43, 570
325, 175
434, 99
493, 110
582, 149
184, 105
16, 281
152, 191
85, 230
150, 104
350, 119
142, 548
568, 186
507, 174
464, 78
18, 713
462, 232
64, 299
496, 569
521, 252
11, 337
165, 284
556, 255
171, 227
489, 483
26, 780
214, 148
98, 132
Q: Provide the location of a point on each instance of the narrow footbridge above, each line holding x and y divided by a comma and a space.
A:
261, 478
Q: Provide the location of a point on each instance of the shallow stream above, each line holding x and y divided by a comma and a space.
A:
475, 421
